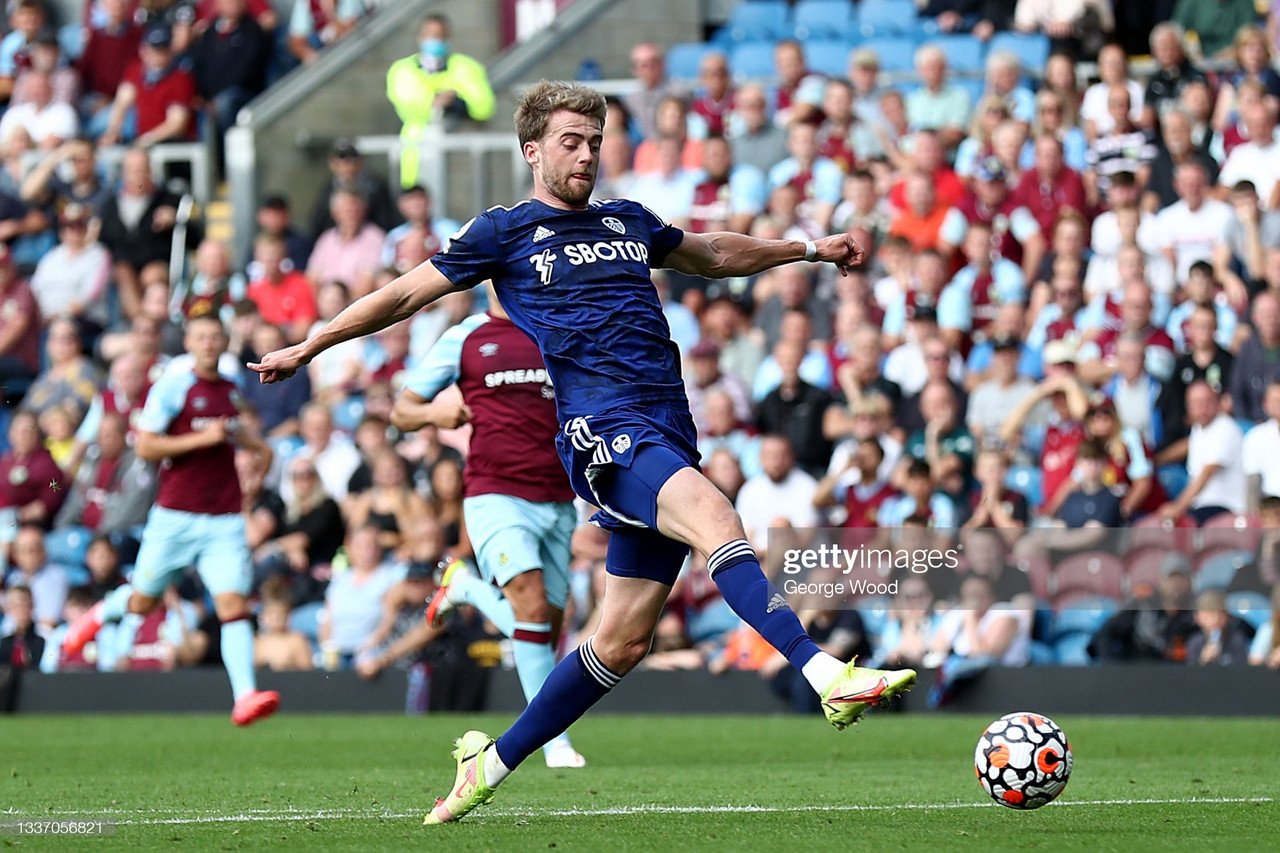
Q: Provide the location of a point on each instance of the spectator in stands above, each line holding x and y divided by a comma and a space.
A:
976, 635
331, 455
1216, 471
1087, 501
704, 377
668, 191
283, 295
1215, 24
730, 196
920, 498
1261, 451
1155, 624
818, 178
26, 21
307, 541
137, 228
45, 58
796, 327
993, 400
1220, 639
1257, 363
1051, 118
46, 122
22, 647
347, 172
798, 96
1099, 359
349, 251
1113, 69
993, 504
1004, 81
113, 489
71, 281
672, 123
1201, 360
757, 141
615, 177
70, 378
124, 394
943, 440
795, 411
920, 220
46, 188
794, 291
107, 53
780, 496
273, 219
1050, 189
435, 85
1124, 148
713, 102
262, 508
1178, 148
724, 430
1065, 431
649, 68
19, 327
159, 90
1256, 159
1201, 290
420, 224
904, 638
31, 486
970, 302
229, 61
936, 104
277, 647
390, 505
31, 569
858, 487
1265, 649
214, 287
316, 24
1189, 230
1174, 72
976, 147
1079, 28
1253, 237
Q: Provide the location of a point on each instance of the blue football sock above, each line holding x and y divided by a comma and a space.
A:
481, 595
116, 604
237, 656
531, 647
757, 602
577, 682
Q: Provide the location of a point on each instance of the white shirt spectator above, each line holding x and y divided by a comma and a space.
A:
1192, 234
905, 367
990, 405
1220, 443
1262, 455
1253, 162
1094, 105
761, 500
54, 121
64, 280
1018, 653
355, 609
670, 198
335, 465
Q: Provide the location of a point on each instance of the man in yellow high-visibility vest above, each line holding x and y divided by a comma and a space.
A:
436, 79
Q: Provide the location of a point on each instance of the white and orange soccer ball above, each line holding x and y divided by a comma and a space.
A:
1023, 760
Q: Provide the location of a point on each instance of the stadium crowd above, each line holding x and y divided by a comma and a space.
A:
1068, 322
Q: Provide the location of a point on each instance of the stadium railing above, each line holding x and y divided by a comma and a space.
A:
194, 158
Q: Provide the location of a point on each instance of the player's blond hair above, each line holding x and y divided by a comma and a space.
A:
545, 97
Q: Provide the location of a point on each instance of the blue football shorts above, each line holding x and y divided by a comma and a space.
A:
512, 536
174, 540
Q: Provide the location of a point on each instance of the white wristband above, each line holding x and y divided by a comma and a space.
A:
810, 251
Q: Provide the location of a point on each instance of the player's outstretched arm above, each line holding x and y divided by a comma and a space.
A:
724, 254
399, 300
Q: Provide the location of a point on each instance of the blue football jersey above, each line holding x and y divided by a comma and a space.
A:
577, 282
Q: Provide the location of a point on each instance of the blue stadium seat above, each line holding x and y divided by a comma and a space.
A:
683, 59
760, 20
824, 19
1042, 654
67, 546
1032, 50
1252, 607
306, 619
1073, 650
1218, 568
973, 86
1084, 616
964, 53
1028, 480
896, 53
752, 61
827, 57
1174, 479
886, 17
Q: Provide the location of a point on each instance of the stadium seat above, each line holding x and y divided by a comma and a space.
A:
683, 60
896, 53
1073, 650
1032, 50
964, 53
1083, 616
1093, 572
887, 17
1229, 530
827, 57
823, 19
1143, 568
752, 61
1252, 607
1028, 481
1039, 571
1042, 654
759, 20
1152, 530
67, 546
305, 619
1173, 477
1216, 568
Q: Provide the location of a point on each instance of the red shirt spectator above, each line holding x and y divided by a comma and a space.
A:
1051, 188
715, 102
162, 94
31, 484
156, 96
107, 53
284, 297
19, 323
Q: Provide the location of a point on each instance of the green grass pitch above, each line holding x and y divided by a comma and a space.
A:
896, 782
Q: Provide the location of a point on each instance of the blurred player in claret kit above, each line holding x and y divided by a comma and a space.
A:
190, 424
518, 504
575, 276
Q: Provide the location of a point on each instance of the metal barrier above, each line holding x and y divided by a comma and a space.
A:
195, 155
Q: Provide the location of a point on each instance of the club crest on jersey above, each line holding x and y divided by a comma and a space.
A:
544, 263
614, 225
488, 350
199, 404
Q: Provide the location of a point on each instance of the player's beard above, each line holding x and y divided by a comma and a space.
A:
571, 192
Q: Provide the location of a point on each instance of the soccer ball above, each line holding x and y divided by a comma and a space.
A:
1023, 760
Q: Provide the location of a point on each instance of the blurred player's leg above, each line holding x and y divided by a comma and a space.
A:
692, 510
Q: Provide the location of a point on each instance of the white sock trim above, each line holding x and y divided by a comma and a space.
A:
494, 770
821, 671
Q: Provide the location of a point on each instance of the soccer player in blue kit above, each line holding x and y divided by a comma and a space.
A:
574, 275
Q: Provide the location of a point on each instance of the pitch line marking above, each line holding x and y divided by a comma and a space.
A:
302, 815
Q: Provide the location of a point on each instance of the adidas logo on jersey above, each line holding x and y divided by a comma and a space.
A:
542, 233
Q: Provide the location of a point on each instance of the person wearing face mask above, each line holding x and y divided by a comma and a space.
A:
436, 84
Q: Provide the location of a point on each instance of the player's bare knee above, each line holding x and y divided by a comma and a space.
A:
142, 604
230, 607
528, 597
621, 654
